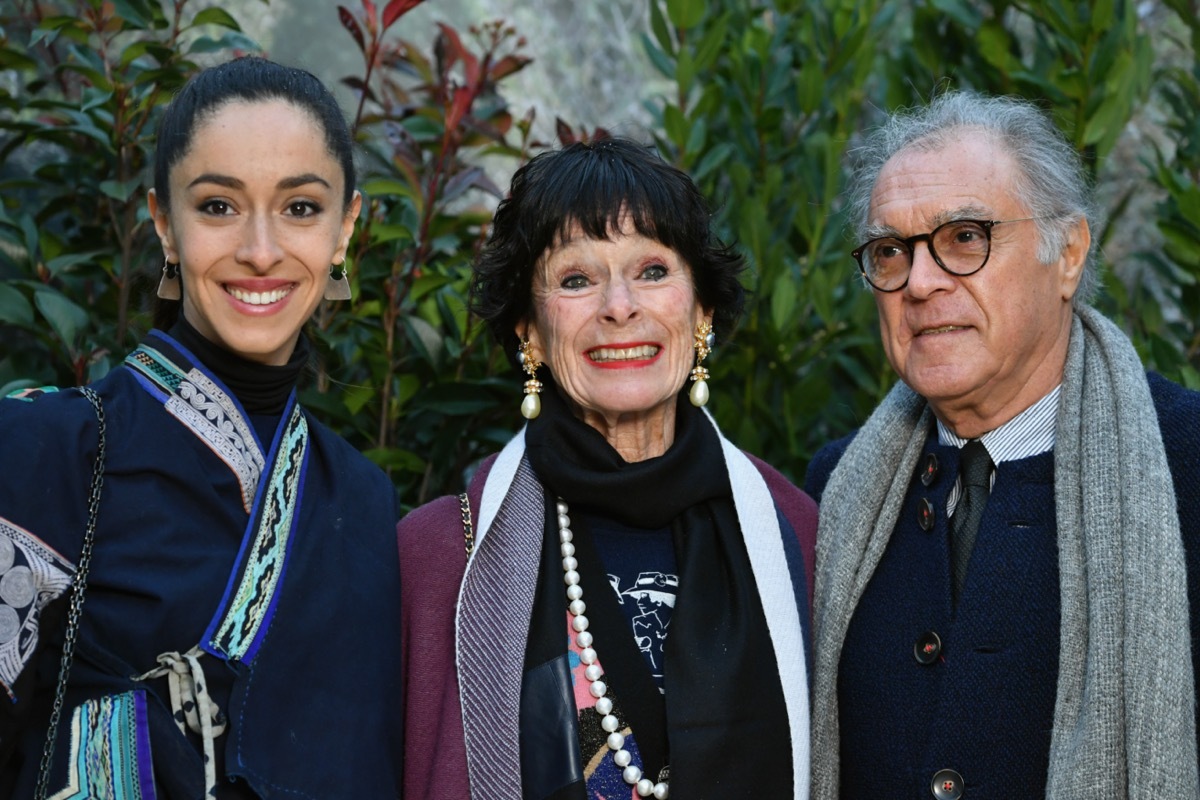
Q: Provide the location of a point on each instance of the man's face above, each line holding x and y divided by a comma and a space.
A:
984, 347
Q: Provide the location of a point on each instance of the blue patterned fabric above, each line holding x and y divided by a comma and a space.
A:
192, 512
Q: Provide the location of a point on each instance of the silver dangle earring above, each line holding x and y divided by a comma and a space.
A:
168, 285
531, 406
338, 287
703, 344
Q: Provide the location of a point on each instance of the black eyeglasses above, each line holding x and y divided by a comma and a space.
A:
961, 247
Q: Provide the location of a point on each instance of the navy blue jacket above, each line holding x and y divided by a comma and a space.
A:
983, 705
313, 697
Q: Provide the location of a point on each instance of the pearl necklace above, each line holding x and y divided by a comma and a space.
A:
604, 706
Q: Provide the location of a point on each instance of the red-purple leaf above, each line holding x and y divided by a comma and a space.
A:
456, 51
357, 85
397, 9
566, 136
508, 65
372, 14
460, 183
463, 97
351, 24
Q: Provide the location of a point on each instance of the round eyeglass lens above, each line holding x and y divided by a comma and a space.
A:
961, 246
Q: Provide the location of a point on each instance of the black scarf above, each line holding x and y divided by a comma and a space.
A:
722, 724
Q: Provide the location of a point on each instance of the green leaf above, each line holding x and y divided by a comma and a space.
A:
357, 397
135, 12
677, 126
230, 40
426, 284
686, 13
396, 459
120, 191
783, 301
659, 58
697, 137
685, 72
216, 16
963, 13
406, 389
29, 229
713, 42
14, 308
62, 263
658, 24
1103, 13
713, 159
810, 86
1108, 120
383, 233
994, 45
65, 318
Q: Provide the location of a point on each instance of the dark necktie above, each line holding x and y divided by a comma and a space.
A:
975, 473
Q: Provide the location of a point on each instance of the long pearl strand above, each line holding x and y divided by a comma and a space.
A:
604, 706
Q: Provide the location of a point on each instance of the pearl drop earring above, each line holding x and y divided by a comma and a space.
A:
705, 339
531, 406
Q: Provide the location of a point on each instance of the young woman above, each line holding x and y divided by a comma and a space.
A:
239, 625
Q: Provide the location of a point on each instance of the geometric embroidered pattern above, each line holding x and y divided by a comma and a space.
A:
249, 602
110, 751
200, 404
32, 575
31, 394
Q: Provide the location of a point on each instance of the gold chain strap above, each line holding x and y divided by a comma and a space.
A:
468, 529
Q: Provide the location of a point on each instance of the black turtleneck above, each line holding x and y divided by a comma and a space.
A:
262, 389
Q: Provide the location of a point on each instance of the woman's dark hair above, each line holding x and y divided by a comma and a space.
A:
249, 79
592, 186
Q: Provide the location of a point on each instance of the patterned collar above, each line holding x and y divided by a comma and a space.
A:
1030, 433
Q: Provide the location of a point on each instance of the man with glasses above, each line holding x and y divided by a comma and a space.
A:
1002, 604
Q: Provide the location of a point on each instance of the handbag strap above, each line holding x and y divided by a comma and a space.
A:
75, 609
468, 529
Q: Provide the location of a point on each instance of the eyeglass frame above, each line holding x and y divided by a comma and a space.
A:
911, 241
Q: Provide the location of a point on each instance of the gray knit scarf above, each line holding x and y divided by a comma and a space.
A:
1124, 720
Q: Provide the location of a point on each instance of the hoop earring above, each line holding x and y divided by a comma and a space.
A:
531, 406
168, 285
338, 287
705, 339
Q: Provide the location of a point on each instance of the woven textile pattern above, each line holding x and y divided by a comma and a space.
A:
490, 687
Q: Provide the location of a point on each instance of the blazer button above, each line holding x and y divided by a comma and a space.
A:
947, 785
927, 648
930, 470
925, 515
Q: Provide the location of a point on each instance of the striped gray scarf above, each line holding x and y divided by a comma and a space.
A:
1124, 720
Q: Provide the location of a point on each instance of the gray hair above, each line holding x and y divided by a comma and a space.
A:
1051, 181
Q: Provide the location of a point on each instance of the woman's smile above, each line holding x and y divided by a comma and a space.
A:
261, 298
623, 356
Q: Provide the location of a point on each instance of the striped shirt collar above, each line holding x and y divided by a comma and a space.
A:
1030, 433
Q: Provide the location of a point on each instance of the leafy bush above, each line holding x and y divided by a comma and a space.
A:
84, 84
766, 99
770, 95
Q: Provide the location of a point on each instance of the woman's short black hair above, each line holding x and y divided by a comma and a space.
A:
592, 185
248, 79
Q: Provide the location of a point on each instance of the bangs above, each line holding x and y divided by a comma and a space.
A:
599, 195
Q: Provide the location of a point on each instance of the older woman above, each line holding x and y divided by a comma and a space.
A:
230, 563
631, 613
